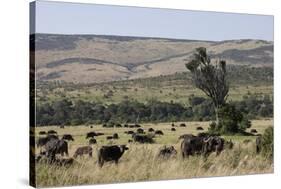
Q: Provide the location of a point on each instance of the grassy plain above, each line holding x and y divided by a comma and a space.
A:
140, 162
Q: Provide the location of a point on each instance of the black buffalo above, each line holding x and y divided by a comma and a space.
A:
129, 132
150, 130
199, 128
42, 133
253, 131
91, 135
142, 138
182, 125
140, 131
115, 136
43, 140
109, 138
56, 146
52, 132
159, 132
201, 145
173, 129
92, 141
68, 137
110, 153
83, 150
167, 152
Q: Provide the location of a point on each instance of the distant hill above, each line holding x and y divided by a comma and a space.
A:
97, 58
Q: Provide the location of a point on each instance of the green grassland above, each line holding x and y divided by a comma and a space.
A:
177, 88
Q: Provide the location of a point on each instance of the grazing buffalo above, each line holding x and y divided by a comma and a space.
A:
52, 132
137, 125
130, 141
159, 132
42, 133
142, 138
213, 144
167, 152
199, 128
126, 125
150, 130
91, 135
140, 131
92, 141
115, 136
67, 137
110, 153
118, 125
104, 125
173, 125
258, 144
129, 132
253, 131
43, 140
83, 150
202, 145
91, 126
109, 137
173, 129
131, 126
191, 146
56, 146
182, 125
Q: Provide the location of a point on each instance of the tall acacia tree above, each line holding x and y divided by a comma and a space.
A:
210, 78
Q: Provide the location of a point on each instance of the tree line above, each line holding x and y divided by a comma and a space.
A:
67, 112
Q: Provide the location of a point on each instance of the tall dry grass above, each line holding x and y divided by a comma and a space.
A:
140, 163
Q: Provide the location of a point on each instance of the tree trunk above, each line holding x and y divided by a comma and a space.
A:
217, 117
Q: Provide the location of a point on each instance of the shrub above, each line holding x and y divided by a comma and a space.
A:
267, 143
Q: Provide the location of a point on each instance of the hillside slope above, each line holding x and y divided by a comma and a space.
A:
94, 58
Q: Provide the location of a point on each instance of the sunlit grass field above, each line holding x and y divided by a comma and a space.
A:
141, 163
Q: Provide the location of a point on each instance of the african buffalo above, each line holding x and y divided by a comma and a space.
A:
159, 132
67, 137
56, 146
191, 146
115, 136
42, 133
213, 144
52, 132
173, 129
253, 131
150, 130
83, 150
109, 138
110, 153
199, 128
91, 135
167, 152
92, 141
142, 138
43, 140
182, 125
140, 131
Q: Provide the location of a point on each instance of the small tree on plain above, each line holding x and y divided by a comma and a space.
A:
210, 78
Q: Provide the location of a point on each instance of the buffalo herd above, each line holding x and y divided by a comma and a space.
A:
200, 144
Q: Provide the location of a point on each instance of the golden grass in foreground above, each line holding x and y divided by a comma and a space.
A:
140, 163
